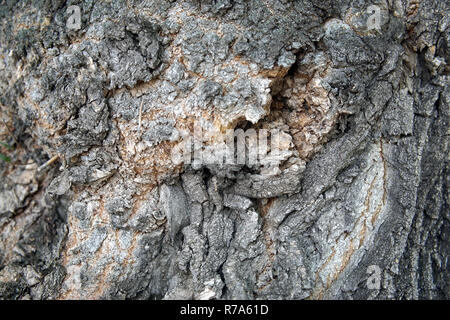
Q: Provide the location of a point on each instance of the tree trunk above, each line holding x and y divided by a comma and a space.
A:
124, 179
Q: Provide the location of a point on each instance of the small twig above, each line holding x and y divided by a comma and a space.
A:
48, 163
11, 132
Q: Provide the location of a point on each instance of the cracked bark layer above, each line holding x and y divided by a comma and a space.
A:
362, 181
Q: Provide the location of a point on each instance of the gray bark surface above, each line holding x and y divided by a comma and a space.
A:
93, 207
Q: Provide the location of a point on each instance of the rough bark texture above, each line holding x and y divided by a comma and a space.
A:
363, 179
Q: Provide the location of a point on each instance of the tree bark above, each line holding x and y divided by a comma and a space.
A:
354, 205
